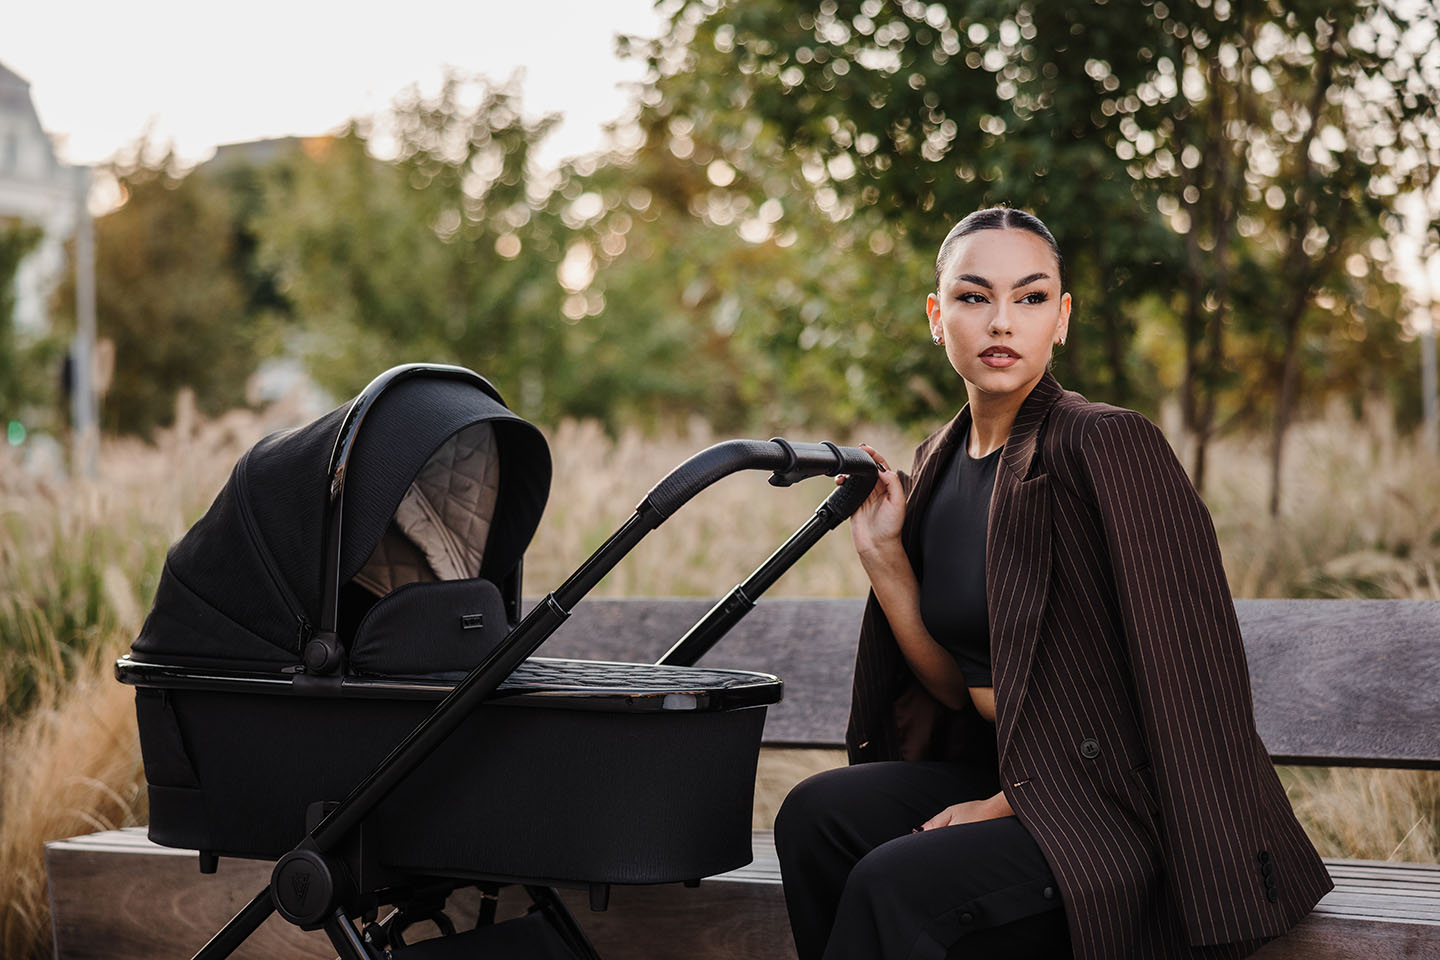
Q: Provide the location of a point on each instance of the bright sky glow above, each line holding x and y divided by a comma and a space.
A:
201, 74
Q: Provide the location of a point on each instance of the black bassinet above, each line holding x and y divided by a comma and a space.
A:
336, 652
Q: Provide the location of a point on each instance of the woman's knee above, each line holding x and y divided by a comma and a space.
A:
808, 805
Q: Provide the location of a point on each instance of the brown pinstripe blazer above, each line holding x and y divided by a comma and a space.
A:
1124, 719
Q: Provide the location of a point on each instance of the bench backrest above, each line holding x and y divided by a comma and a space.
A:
1335, 682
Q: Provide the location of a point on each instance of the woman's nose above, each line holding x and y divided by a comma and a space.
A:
1000, 320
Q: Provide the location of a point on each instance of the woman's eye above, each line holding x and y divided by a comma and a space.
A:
1037, 297
971, 297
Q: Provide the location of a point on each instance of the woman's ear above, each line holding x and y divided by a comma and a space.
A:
932, 310
1062, 329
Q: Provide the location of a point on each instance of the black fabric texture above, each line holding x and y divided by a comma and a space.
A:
859, 884
167, 763
952, 585
243, 586
429, 629
517, 791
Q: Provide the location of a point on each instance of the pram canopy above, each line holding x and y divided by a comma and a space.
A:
425, 513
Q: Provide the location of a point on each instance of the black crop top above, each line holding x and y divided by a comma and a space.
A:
952, 581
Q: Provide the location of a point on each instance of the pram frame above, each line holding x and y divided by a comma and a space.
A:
322, 855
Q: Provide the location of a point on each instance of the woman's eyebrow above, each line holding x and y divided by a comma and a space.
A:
980, 281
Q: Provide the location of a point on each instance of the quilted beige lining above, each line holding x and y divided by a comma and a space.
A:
441, 525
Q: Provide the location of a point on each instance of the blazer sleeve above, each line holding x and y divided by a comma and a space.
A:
1187, 658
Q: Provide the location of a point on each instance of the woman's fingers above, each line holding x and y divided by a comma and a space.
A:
875, 455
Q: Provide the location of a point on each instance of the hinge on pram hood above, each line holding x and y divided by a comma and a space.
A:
303, 634
323, 654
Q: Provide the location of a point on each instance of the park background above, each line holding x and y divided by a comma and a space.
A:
1245, 195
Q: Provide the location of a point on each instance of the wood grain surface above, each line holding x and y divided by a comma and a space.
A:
115, 895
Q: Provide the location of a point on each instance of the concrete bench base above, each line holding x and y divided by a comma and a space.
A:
117, 896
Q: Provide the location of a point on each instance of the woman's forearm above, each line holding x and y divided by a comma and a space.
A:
898, 592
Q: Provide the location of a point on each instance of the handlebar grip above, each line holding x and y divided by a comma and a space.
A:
708, 466
806, 460
855, 460
847, 498
791, 462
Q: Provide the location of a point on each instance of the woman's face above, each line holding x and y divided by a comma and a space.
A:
999, 309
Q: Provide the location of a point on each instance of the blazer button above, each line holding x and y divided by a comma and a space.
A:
966, 918
1266, 869
1263, 856
1049, 893
1089, 747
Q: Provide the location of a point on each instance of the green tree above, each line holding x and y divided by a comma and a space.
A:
896, 119
171, 294
1152, 137
446, 252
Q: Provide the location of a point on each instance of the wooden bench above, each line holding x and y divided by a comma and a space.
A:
1335, 683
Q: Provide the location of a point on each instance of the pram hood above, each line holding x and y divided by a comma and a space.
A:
440, 494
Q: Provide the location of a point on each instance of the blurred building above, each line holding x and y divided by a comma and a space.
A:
263, 153
37, 188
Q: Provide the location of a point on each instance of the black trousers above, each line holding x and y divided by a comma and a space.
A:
859, 884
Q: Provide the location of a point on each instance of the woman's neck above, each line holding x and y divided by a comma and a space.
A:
992, 415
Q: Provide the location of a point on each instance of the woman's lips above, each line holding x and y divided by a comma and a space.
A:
998, 359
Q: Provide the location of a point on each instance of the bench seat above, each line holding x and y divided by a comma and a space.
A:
117, 895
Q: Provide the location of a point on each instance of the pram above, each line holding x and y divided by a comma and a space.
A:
353, 594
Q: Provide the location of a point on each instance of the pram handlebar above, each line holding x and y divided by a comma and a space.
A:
791, 462
733, 606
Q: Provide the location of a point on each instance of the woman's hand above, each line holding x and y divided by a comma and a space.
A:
875, 526
970, 811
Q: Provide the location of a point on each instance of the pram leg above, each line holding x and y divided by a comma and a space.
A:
560, 917
346, 939
234, 933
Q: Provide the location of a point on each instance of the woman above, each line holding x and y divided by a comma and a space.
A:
1051, 735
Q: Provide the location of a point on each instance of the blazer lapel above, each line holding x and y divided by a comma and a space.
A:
1017, 557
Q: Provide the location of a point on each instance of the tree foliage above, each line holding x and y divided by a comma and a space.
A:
1220, 177
1218, 168
171, 293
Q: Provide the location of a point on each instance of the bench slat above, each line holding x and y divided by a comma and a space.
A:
1335, 682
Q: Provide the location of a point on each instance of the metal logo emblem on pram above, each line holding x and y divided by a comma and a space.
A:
336, 675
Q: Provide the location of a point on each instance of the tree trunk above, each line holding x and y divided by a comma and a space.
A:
1303, 273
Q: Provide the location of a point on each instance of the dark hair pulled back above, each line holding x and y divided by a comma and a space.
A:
997, 218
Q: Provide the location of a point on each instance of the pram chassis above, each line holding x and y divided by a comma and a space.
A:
330, 859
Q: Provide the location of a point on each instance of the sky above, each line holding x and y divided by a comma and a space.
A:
199, 74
